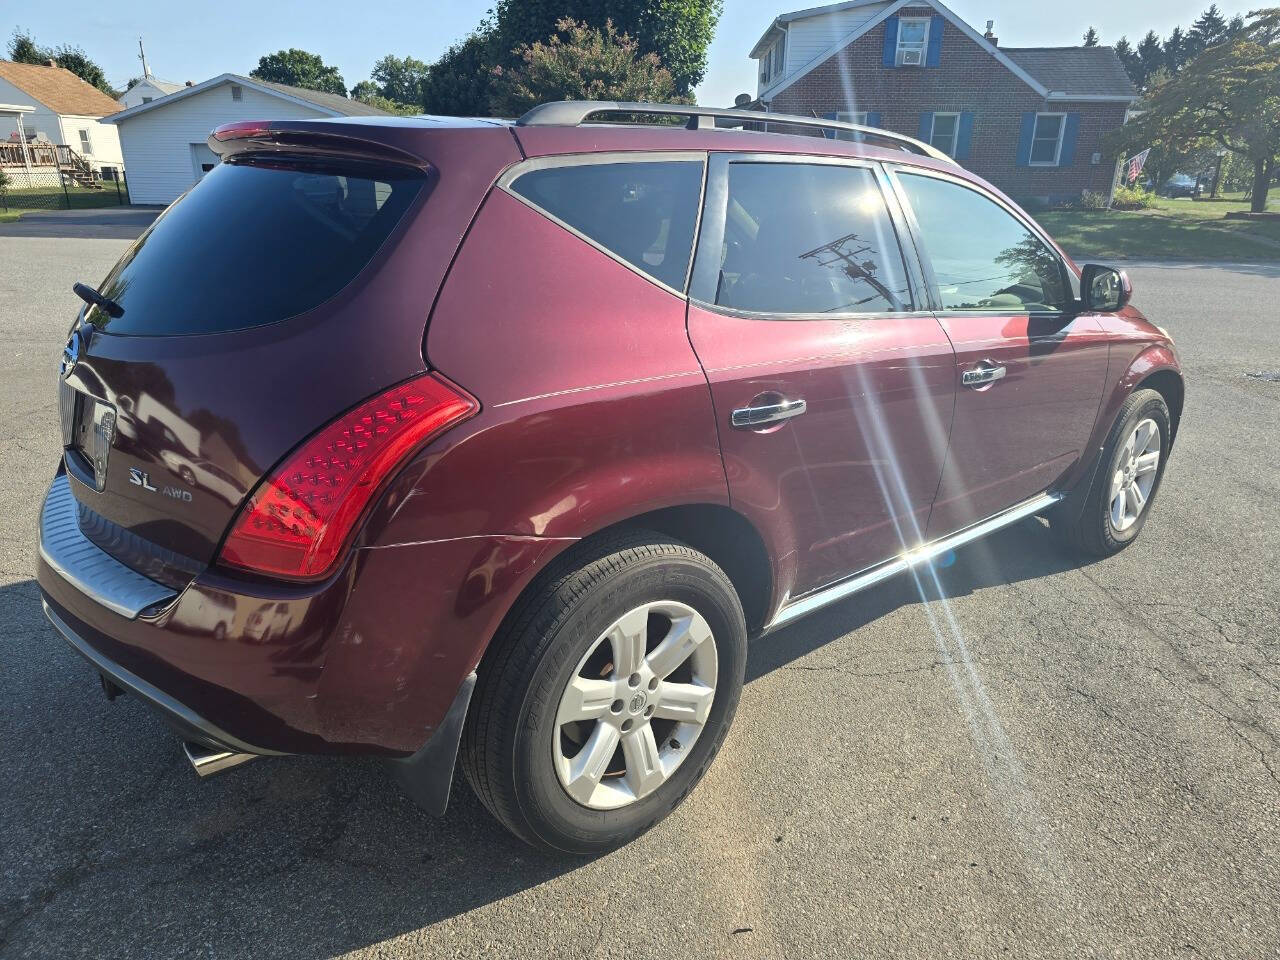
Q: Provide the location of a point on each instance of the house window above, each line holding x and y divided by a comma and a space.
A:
859, 118
943, 133
237, 92
1046, 140
913, 39
86, 147
779, 56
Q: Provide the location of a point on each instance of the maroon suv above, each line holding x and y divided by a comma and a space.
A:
403, 436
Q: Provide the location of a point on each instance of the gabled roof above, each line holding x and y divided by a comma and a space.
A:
1066, 70
1075, 71
58, 89
784, 18
329, 103
164, 86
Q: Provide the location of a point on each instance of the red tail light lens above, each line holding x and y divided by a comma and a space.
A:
299, 520
241, 130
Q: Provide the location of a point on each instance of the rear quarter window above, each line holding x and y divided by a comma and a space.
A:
254, 243
643, 212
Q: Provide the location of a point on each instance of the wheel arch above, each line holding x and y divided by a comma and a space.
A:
1169, 384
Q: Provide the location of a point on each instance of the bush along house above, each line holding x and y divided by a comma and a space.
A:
1029, 119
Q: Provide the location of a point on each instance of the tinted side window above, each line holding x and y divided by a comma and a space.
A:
253, 243
643, 213
983, 258
809, 238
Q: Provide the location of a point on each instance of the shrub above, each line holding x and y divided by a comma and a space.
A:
1132, 198
1092, 200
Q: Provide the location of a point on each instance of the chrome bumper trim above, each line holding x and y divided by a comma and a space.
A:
83, 564
912, 558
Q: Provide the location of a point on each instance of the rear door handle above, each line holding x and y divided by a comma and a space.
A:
766, 413
988, 371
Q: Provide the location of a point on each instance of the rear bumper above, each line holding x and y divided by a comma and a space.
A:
188, 724
369, 662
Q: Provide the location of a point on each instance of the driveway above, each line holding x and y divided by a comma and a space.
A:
110, 223
1024, 757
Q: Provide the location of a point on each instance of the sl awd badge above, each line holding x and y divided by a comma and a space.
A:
140, 478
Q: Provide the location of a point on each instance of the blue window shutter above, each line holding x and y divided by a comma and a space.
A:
829, 134
926, 126
890, 41
934, 55
964, 135
873, 118
1024, 139
1068, 155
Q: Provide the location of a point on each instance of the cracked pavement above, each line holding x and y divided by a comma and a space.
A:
1022, 756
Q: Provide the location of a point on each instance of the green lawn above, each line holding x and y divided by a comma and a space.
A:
1171, 230
52, 198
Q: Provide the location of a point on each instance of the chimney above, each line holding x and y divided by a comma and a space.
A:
53, 63
190, 84
990, 37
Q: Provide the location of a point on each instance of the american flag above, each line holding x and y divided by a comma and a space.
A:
1135, 164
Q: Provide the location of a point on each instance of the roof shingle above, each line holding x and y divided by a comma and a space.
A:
58, 89
1076, 71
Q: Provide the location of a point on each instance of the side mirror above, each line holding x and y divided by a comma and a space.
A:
1104, 289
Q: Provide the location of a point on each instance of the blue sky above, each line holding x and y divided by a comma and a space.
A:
195, 42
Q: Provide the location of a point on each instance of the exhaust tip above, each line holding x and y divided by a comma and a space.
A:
207, 761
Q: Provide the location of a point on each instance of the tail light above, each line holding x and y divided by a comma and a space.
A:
300, 519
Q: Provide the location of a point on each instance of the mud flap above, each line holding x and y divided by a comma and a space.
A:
428, 774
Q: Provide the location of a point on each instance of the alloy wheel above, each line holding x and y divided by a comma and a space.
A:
635, 705
1135, 475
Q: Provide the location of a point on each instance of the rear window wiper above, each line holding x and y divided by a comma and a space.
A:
92, 296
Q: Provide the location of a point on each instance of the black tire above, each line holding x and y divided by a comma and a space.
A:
1087, 528
508, 740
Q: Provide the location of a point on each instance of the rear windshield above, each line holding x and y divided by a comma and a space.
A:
254, 243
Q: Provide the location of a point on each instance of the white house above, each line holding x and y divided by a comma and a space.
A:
165, 141
54, 121
146, 90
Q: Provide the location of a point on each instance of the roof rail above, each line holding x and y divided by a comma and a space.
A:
573, 113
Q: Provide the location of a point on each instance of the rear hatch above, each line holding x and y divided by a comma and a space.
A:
289, 284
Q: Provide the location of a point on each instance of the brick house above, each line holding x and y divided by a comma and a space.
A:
1029, 119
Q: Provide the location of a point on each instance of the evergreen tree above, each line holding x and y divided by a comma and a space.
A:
1150, 56
1209, 30
1129, 60
1091, 37
1175, 50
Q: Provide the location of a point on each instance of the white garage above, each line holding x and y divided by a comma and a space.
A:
165, 142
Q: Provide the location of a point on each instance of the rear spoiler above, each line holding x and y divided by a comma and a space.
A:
281, 137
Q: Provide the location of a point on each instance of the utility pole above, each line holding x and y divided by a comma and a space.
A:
142, 55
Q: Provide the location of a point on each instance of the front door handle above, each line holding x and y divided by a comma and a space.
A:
988, 371
763, 414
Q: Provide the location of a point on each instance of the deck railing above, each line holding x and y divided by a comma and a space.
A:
37, 155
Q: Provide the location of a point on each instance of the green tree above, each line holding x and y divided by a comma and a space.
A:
1150, 56
24, 49
1209, 30
458, 83
400, 79
298, 68
1175, 50
1129, 60
1091, 37
678, 31
1229, 96
366, 91
580, 62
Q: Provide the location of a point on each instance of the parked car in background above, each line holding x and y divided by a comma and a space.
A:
534, 424
1180, 185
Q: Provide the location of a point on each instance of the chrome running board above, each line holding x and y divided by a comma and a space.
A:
912, 558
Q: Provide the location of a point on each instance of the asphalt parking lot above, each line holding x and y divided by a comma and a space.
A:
1034, 758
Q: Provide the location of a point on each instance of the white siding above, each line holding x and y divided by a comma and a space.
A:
143, 88
813, 36
104, 139
157, 142
43, 120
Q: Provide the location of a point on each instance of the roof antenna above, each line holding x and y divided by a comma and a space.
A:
142, 55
